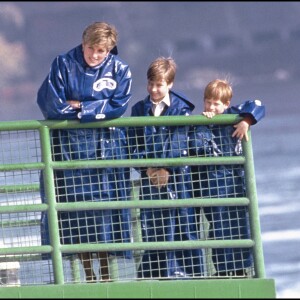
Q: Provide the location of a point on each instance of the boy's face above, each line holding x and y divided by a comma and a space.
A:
158, 89
215, 105
94, 55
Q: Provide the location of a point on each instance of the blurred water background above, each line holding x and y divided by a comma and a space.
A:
276, 147
256, 45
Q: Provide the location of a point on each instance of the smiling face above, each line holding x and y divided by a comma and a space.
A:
97, 41
94, 55
217, 96
158, 89
215, 105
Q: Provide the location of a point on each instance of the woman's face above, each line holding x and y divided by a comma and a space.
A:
94, 55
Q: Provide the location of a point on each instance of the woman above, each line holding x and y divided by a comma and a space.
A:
89, 83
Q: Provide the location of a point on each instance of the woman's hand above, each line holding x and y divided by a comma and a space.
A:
75, 104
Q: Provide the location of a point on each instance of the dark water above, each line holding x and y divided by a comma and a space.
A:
276, 144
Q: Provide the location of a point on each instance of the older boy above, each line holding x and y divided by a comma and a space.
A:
158, 183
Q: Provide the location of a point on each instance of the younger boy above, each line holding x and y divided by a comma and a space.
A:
158, 183
223, 181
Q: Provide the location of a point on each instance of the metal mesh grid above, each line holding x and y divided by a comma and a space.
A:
20, 146
167, 224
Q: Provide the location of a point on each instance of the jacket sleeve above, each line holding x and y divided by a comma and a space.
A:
115, 106
51, 95
251, 108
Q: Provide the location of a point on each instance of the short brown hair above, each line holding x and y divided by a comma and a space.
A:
219, 89
99, 33
162, 68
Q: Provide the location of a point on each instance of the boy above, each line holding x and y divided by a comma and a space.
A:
222, 181
168, 224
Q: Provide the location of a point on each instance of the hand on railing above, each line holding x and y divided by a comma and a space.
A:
241, 130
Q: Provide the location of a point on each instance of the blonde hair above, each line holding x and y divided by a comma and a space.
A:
100, 33
219, 89
162, 68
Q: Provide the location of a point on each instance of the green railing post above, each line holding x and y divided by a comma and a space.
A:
48, 167
253, 208
52, 213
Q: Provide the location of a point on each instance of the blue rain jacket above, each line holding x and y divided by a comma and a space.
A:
168, 224
226, 222
104, 92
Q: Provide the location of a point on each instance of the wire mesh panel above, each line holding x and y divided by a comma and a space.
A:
19, 146
226, 222
151, 215
91, 184
20, 187
184, 182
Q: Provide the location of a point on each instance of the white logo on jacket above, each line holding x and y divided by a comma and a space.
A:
104, 83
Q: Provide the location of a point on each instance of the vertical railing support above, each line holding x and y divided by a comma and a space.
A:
48, 176
253, 209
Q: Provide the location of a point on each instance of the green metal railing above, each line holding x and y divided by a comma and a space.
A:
47, 165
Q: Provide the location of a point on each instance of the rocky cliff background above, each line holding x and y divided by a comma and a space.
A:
251, 43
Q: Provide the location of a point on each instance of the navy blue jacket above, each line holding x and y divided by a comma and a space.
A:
163, 141
216, 140
223, 181
166, 224
104, 92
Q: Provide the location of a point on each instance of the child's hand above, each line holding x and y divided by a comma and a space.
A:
208, 114
151, 171
158, 177
241, 130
